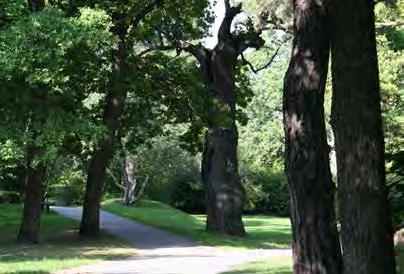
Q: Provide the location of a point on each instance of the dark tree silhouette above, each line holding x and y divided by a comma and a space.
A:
315, 238
366, 228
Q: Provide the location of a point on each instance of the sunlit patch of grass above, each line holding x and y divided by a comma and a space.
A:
284, 265
278, 265
60, 246
262, 231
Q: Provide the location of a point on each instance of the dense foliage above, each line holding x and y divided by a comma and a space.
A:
54, 71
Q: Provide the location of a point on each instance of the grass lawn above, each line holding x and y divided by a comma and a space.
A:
263, 231
283, 265
278, 265
60, 247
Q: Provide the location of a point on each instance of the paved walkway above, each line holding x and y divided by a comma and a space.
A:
161, 252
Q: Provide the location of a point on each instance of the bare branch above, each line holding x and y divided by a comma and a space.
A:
268, 64
141, 190
386, 25
114, 179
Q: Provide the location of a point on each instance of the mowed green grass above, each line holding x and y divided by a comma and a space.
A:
284, 265
262, 231
60, 247
278, 265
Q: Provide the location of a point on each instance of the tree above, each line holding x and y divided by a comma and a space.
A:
42, 93
223, 190
132, 191
366, 229
315, 237
31, 219
134, 31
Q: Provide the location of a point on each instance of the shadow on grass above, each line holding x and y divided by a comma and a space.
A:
60, 245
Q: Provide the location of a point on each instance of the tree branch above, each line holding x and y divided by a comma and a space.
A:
268, 64
198, 51
249, 40
225, 27
159, 47
114, 179
135, 16
142, 189
392, 24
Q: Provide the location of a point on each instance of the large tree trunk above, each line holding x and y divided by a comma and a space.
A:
223, 190
115, 101
367, 236
31, 219
315, 238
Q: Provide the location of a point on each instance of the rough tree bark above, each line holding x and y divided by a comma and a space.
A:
31, 218
90, 222
367, 235
224, 192
315, 237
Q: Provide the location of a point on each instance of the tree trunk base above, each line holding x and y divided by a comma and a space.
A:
28, 237
236, 228
89, 230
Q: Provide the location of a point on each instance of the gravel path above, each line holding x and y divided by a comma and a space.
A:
161, 252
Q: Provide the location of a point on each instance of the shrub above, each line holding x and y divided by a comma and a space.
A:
11, 197
266, 193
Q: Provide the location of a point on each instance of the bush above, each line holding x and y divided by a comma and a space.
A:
11, 197
68, 188
266, 193
189, 196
